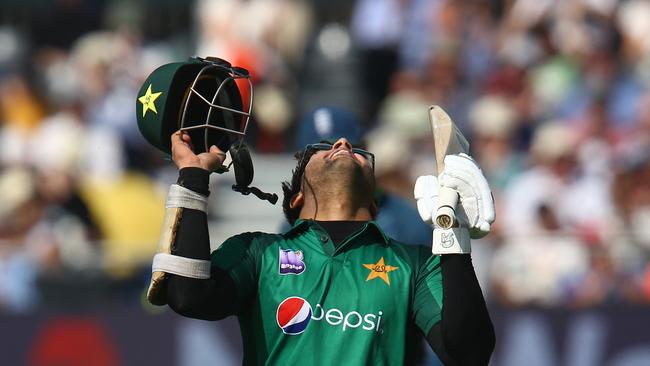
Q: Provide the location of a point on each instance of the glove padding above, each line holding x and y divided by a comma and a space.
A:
476, 206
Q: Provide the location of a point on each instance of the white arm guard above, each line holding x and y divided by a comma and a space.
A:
164, 261
474, 213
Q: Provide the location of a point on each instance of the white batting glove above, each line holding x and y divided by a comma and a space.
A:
463, 175
475, 212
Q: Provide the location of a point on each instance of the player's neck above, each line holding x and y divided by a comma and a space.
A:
335, 210
336, 197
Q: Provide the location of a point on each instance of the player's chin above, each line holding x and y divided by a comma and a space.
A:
343, 159
348, 162
343, 167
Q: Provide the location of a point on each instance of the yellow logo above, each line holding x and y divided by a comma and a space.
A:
379, 270
148, 100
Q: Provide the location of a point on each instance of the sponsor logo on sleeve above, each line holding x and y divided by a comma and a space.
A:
291, 261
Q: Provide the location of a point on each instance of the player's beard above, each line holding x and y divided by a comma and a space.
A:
342, 179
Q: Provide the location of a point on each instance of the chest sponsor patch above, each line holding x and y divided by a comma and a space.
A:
291, 262
295, 313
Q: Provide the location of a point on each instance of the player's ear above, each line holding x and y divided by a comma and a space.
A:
297, 200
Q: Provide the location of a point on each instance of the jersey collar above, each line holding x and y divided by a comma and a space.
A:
371, 228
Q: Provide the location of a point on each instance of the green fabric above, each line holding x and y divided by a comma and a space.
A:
356, 320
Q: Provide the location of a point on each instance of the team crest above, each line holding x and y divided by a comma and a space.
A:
148, 101
291, 261
380, 270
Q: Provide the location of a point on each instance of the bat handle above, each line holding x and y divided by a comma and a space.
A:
446, 213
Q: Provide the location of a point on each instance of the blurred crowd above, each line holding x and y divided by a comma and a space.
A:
554, 97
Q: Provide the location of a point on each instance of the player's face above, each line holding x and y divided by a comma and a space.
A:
338, 163
341, 153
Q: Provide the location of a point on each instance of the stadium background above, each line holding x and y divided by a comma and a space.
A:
554, 96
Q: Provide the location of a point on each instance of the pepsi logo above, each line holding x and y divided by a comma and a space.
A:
293, 315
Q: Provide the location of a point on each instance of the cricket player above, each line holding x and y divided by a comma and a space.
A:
334, 289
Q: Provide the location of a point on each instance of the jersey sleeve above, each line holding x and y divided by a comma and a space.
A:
427, 300
238, 256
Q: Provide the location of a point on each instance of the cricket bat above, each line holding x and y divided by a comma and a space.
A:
447, 140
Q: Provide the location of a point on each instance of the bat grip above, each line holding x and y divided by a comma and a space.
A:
446, 213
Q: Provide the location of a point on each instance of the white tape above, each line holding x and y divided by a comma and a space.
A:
179, 196
186, 267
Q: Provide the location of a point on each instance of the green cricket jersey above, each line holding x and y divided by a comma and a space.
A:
302, 300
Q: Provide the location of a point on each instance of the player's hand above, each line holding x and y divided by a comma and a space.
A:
184, 157
476, 207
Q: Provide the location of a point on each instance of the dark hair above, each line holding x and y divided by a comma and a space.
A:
292, 188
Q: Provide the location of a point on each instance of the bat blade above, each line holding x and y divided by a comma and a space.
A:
447, 140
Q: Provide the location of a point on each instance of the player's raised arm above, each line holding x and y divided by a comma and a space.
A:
464, 335
196, 293
195, 111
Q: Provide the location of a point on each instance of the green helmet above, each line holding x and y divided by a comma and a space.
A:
200, 96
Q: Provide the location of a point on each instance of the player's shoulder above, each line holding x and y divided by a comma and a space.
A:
254, 241
410, 248
247, 244
415, 254
254, 238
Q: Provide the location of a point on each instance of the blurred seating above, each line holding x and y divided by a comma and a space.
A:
572, 196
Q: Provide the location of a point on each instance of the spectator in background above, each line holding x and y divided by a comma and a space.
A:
552, 195
268, 39
542, 259
629, 241
376, 27
46, 231
539, 270
19, 263
493, 121
402, 136
583, 62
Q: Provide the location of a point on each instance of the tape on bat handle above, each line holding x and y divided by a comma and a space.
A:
446, 213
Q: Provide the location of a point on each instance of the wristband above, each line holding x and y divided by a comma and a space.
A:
186, 267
